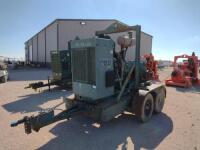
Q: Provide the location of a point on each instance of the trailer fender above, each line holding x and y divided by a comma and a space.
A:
153, 89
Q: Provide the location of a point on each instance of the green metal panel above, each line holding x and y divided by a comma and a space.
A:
108, 108
61, 64
91, 59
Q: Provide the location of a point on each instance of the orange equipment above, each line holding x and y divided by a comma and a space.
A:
186, 73
151, 67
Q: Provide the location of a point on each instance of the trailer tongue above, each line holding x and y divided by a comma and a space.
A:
45, 118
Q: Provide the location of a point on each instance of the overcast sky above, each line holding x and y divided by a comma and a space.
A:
174, 24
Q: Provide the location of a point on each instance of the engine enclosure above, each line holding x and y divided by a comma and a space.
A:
92, 68
61, 64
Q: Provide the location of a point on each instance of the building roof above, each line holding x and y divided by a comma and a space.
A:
56, 20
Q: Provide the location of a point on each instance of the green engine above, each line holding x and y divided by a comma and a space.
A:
98, 71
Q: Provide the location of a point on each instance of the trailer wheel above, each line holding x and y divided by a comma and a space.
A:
144, 107
159, 101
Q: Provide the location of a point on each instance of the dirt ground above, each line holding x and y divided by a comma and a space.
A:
178, 127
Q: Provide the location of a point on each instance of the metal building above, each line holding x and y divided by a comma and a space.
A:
56, 35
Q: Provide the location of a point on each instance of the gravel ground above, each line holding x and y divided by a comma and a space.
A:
178, 127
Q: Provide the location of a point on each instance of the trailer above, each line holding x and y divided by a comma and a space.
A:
61, 71
104, 83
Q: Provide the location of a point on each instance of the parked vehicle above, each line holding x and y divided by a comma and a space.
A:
3, 73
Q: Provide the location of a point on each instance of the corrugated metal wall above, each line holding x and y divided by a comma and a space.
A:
41, 46
146, 44
30, 49
35, 52
26, 52
68, 30
51, 40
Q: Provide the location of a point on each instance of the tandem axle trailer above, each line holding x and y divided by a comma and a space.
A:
104, 84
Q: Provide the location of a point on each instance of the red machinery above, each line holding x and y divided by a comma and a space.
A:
151, 66
186, 73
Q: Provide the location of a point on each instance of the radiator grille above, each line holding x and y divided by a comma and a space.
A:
83, 62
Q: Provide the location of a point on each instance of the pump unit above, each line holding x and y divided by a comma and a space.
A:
104, 84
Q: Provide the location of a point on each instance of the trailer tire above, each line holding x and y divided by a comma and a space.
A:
159, 101
144, 107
